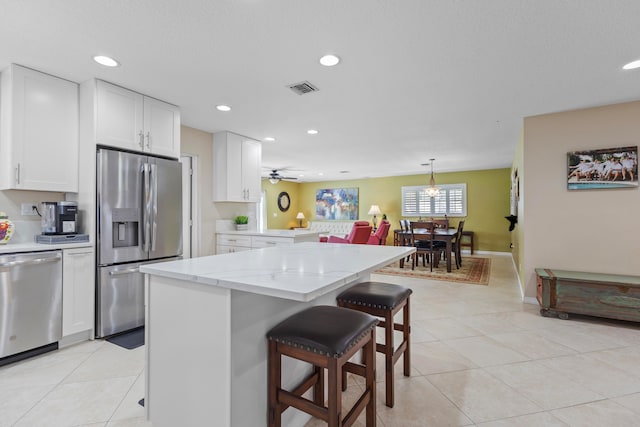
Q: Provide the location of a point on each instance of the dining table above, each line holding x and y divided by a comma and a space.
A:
402, 237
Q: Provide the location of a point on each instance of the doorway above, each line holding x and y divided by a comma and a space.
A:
190, 217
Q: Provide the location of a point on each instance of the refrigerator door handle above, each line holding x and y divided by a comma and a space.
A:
146, 211
154, 206
123, 272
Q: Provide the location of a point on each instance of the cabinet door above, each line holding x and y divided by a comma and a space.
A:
251, 164
40, 135
119, 117
161, 128
78, 290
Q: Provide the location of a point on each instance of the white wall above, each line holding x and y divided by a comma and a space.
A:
199, 143
25, 226
588, 230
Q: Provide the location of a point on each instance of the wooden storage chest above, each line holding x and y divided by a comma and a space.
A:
561, 292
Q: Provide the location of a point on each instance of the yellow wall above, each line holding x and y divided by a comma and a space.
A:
275, 218
487, 202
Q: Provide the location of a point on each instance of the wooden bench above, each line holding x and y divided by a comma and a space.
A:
613, 296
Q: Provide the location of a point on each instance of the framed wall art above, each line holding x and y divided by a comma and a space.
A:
340, 204
602, 169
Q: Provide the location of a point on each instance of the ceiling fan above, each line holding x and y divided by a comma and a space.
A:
275, 177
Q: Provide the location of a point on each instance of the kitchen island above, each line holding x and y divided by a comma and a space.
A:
206, 321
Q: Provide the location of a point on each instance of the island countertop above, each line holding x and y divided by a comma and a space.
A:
299, 272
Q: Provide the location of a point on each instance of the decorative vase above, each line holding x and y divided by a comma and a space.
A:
242, 227
6, 229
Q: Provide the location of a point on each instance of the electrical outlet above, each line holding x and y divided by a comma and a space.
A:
27, 209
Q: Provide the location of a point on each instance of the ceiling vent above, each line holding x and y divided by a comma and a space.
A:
303, 87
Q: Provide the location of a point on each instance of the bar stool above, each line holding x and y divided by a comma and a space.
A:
384, 300
326, 337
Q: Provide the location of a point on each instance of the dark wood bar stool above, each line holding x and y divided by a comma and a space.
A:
384, 300
326, 337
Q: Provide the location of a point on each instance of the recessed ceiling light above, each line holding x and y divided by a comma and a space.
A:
329, 60
320, 173
312, 132
106, 61
632, 65
223, 108
270, 139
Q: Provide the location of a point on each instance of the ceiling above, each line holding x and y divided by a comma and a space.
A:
419, 79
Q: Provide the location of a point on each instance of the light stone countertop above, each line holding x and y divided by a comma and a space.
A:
39, 247
300, 272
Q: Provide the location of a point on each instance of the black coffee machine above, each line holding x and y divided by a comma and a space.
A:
59, 218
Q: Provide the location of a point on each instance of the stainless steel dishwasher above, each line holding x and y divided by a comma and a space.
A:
30, 301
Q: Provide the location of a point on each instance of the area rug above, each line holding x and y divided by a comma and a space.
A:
474, 271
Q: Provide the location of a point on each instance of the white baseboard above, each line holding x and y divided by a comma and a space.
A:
530, 300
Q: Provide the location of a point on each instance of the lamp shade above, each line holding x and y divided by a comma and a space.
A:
375, 210
300, 215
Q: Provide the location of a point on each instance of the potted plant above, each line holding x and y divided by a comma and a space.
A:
242, 222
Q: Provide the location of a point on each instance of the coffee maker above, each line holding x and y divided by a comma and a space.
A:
59, 217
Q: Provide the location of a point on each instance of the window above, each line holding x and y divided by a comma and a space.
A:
452, 201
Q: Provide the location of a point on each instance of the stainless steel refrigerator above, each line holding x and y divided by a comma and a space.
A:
139, 221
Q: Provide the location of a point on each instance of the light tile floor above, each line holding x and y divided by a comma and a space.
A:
479, 357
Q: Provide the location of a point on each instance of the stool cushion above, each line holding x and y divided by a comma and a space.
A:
323, 329
375, 295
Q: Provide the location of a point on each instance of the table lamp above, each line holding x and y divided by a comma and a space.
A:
375, 210
300, 217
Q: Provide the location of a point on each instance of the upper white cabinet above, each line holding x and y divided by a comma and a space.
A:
129, 120
39, 117
236, 168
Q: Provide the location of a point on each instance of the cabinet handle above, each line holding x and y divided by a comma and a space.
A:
18, 174
148, 141
141, 137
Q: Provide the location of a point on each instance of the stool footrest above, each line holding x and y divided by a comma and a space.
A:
352, 416
289, 399
355, 368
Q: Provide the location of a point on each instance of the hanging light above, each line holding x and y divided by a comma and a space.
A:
432, 190
274, 180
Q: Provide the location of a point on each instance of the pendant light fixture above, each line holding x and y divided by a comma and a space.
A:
432, 190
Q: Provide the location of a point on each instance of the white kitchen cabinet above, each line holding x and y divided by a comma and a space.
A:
258, 242
229, 243
129, 120
78, 290
236, 168
39, 116
236, 241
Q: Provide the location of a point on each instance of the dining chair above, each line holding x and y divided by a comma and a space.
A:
424, 244
455, 245
441, 223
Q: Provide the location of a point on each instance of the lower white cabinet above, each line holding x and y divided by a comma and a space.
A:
269, 241
229, 243
78, 290
243, 241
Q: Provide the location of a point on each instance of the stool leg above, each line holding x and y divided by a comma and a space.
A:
318, 388
369, 352
388, 358
406, 333
274, 384
334, 389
